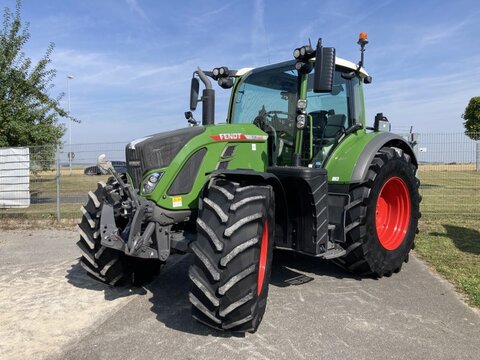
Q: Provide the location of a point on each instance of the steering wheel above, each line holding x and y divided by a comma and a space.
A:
279, 127
266, 125
276, 120
271, 113
283, 125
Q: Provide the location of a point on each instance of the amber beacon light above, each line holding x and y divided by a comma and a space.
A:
362, 38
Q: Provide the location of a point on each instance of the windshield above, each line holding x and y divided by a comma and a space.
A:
267, 97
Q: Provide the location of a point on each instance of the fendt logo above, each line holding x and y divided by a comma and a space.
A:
238, 137
231, 136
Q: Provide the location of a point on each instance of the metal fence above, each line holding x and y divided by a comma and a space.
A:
58, 184
449, 171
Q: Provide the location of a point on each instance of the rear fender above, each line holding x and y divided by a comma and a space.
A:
383, 140
351, 159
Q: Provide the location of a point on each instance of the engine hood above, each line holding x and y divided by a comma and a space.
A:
156, 151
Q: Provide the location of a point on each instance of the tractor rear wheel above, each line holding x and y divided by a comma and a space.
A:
232, 255
108, 265
382, 217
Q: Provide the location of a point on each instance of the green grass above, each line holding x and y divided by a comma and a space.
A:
451, 245
452, 192
449, 238
45, 183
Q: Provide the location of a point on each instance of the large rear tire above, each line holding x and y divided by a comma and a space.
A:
108, 265
382, 217
232, 255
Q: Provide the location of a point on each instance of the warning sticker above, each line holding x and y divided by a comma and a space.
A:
177, 201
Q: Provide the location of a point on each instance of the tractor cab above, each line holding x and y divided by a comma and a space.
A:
307, 106
268, 98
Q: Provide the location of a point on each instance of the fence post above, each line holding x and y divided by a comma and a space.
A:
57, 180
413, 141
478, 156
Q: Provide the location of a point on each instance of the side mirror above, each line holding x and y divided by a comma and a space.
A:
381, 123
194, 93
324, 69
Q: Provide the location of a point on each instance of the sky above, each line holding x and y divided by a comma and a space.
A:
132, 60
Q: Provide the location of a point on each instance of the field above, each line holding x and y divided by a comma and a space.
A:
450, 189
449, 238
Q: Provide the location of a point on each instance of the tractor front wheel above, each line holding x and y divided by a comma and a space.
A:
232, 255
108, 265
382, 217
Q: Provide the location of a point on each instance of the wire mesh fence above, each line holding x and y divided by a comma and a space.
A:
49, 183
449, 171
56, 183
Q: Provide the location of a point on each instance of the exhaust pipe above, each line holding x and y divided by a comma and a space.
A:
208, 99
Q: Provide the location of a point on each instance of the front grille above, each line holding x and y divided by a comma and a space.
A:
134, 166
156, 151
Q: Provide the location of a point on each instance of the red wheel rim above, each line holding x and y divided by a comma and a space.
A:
392, 213
262, 264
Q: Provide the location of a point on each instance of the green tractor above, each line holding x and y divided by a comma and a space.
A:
294, 167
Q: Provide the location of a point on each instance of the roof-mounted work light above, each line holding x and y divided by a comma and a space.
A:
303, 53
220, 72
224, 76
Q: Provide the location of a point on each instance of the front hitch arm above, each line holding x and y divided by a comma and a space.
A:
106, 167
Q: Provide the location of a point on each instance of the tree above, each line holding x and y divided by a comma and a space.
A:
28, 113
472, 118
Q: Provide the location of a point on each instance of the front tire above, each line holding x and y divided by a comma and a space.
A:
108, 265
382, 217
232, 255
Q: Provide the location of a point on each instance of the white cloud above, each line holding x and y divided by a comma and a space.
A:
259, 39
440, 32
137, 9
209, 15
105, 69
430, 103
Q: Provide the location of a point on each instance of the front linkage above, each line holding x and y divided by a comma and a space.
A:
141, 230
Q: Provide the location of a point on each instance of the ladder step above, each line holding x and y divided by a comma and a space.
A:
335, 252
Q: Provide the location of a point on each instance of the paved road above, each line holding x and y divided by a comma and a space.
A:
314, 311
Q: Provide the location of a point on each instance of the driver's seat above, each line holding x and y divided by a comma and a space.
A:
335, 124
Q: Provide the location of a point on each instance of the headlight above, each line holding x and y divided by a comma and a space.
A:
151, 182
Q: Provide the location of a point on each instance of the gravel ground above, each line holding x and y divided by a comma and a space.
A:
45, 297
51, 309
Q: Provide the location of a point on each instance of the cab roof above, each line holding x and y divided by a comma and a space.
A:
338, 61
